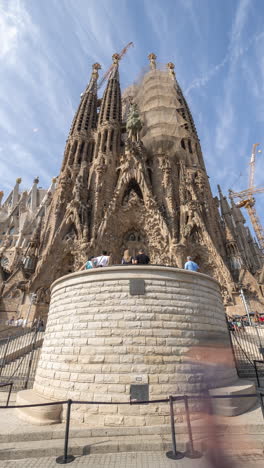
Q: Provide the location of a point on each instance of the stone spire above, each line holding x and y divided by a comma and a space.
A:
80, 144
171, 67
85, 117
107, 146
15, 196
224, 205
34, 194
152, 61
92, 86
111, 103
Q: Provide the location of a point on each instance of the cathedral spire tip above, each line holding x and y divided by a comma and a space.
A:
171, 67
115, 58
114, 67
152, 59
94, 77
219, 190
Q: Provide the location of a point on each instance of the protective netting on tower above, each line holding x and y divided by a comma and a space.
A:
168, 126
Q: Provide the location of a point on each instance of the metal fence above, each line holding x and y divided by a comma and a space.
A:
19, 356
259, 369
248, 346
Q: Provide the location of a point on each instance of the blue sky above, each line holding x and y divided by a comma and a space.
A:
47, 49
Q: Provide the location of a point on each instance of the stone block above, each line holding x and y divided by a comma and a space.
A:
116, 388
110, 420
41, 415
85, 377
108, 409
135, 421
104, 378
94, 420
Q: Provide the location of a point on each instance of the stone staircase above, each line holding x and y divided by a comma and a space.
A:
83, 441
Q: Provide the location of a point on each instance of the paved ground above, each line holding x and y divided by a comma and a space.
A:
131, 460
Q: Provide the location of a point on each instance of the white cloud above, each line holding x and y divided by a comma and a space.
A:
15, 24
226, 114
24, 164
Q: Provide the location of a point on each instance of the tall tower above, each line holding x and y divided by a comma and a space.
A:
135, 181
102, 178
66, 229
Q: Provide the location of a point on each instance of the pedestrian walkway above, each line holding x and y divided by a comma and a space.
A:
129, 460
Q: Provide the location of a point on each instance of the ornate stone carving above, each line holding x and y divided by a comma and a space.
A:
120, 177
134, 123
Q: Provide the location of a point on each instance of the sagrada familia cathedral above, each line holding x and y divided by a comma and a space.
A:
132, 176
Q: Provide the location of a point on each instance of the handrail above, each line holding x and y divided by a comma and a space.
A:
32, 347
23, 332
10, 385
143, 402
257, 361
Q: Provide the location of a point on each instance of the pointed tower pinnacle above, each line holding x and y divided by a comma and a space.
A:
171, 67
115, 67
152, 59
80, 144
111, 103
92, 86
85, 117
224, 205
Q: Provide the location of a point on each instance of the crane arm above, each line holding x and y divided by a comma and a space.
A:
252, 166
245, 193
256, 223
107, 73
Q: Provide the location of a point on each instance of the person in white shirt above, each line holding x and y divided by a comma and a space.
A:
102, 260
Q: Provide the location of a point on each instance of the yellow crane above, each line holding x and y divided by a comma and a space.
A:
248, 201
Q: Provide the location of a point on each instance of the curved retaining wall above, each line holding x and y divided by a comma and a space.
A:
102, 339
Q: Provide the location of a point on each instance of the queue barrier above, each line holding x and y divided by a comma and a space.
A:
10, 385
172, 454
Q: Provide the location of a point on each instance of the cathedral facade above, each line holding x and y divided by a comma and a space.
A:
132, 176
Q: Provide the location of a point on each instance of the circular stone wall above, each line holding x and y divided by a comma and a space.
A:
120, 332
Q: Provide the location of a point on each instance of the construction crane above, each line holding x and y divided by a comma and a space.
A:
107, 74
248, 201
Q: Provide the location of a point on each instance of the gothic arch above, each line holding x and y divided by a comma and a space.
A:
132, 185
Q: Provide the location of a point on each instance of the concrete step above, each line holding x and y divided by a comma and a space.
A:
58, 432
81, 446
96, 445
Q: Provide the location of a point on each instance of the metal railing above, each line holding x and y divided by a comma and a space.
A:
172, 454
19, 357
259, 369
247, 348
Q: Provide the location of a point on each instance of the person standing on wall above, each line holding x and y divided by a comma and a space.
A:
102, 260
127, 258
190, 265
141, 258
